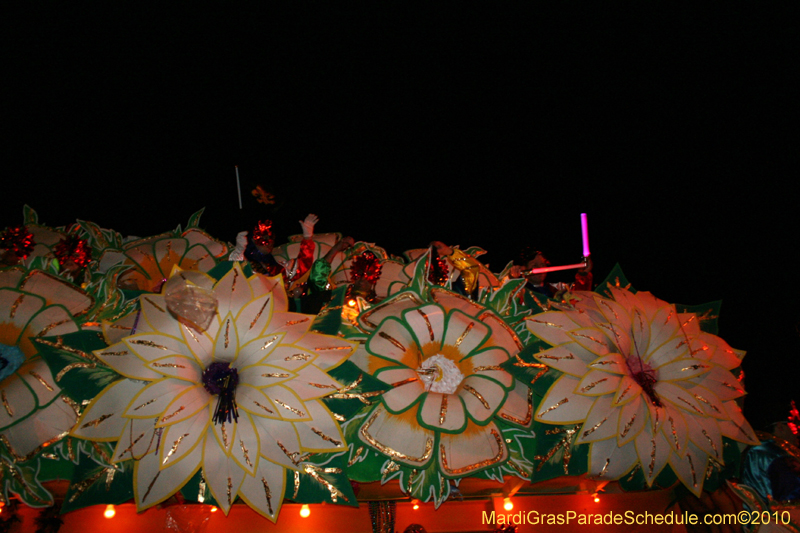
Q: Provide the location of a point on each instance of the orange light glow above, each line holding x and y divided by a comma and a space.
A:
508, 505
596, 498
416, 504
305, 511
351, 303
110, 511
213, 509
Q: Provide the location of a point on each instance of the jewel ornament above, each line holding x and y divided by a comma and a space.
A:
647, 385
241, 400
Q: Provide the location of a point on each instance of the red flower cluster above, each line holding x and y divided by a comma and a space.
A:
365, 266
18, 241
73, 249
262, 233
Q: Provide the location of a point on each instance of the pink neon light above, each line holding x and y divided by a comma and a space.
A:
585, 235
544, 270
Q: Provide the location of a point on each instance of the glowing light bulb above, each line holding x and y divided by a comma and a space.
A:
213, 509
596, 498
351, 303
416, 504
110, 511
305, 511
508, 505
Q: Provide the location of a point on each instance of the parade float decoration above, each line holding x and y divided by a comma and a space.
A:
166, 375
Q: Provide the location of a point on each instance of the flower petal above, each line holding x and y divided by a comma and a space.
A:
152, 400
124, 361
278, 442
18, 401
245, 449
331, 351
601, 423
265, 490
180, 438
138, 439
40, 429
399, 436
690, 468
464, 332
178, 367
311, 383
151, 346
232, 291
653, 451
518, 407
443, 412
561, 405
152, 485
406, 388
482, 397
471, 451
103, 420
254, 317
393, 341
185, 405
426, 323
553, 327
607, 461
598, 383
320, 434
226, 345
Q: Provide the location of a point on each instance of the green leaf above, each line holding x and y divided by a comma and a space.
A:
502, 300
22, 479
364, 463
355, 394
615, 278
329, 319
78, 372
94, 484
196, 490
194, 220
323, 479
430, 484
419, 282
222, 268
707, 313
521, 449
29, 216
474, 251
556, 452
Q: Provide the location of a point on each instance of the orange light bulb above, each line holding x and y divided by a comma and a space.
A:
110, 511
507, 505
305, 511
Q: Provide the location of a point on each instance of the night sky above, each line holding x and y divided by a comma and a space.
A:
483, 124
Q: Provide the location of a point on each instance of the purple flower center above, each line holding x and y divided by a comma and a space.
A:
220, 379
645, 377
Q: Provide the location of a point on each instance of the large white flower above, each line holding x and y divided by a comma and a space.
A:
34, 304
649, 387
163, 413
442, 360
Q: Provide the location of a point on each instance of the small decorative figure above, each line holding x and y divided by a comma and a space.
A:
258, 250
530, 259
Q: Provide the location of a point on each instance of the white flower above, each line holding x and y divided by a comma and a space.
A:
162, 414
443, 362
34, 304
649, 387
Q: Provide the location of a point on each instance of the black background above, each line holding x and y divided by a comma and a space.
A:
492, 124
